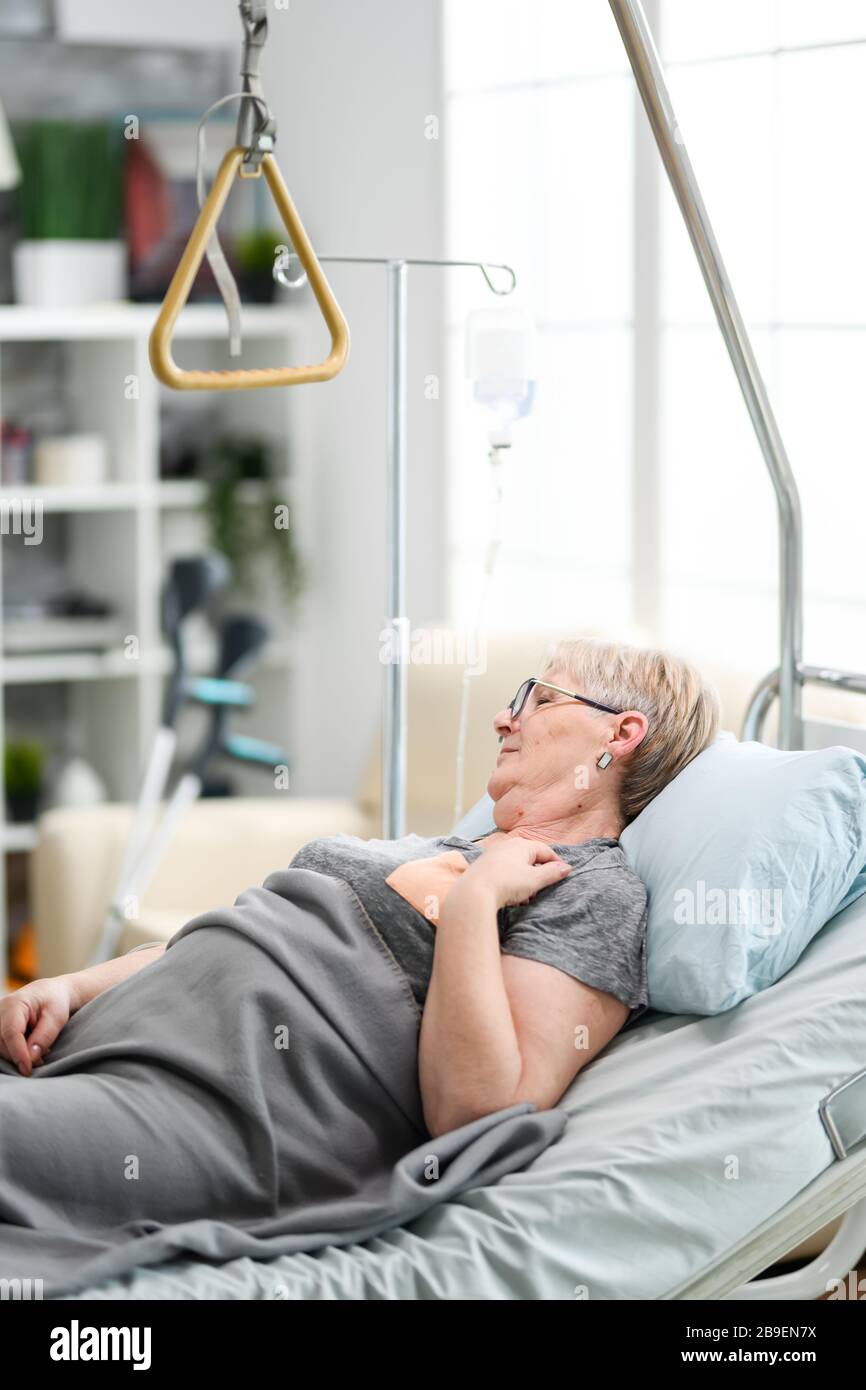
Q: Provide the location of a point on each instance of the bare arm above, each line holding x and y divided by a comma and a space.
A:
86, 984
32, 1017
497, 1029
468, 1054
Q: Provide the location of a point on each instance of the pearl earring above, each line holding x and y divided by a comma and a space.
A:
605, 759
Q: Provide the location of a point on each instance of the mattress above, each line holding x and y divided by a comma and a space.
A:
685, 1137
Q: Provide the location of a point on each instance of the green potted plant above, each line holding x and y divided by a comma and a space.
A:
23, 761
255, 254
70, 201
246, 513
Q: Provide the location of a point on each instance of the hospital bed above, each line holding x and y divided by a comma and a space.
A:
697, 1151
635, 1200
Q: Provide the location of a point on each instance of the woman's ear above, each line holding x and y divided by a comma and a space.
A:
629, 732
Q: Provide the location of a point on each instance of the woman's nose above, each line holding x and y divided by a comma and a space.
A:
503, 722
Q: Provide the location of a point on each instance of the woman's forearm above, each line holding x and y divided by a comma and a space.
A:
86, 984
469, 1061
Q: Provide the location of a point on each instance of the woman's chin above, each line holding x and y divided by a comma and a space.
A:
498, 784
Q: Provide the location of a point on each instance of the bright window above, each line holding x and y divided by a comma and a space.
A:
545, 171
539, 128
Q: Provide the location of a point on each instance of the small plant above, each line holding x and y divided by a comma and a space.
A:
255, 255
258, 250
245, 526
23, 761
72, 178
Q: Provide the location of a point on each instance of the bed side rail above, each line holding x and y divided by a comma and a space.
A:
817, 733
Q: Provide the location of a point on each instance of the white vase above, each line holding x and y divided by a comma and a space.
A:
56, 272
79, 785
70, 460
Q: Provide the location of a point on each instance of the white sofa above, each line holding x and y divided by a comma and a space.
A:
222, 847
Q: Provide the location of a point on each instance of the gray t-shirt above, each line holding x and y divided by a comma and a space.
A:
591, 925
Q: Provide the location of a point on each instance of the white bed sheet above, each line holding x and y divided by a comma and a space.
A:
686, 1135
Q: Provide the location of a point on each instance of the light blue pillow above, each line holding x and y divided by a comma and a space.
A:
745, 855
477, 821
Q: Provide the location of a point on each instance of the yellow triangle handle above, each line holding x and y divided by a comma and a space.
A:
164, 366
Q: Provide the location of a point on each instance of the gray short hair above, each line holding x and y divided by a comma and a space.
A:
682, 708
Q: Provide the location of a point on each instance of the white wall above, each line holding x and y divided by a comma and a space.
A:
194, 24
351, 86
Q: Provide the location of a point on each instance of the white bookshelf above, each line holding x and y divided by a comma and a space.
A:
121, 536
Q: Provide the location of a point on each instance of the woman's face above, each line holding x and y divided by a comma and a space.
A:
549, 753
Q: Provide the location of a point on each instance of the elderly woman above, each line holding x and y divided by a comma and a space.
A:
513, 941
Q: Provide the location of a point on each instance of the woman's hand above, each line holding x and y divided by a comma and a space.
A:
31, 1020
515, 870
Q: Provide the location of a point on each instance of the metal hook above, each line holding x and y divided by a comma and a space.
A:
281, 263
484, 266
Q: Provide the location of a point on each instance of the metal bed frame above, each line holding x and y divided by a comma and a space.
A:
838, 1191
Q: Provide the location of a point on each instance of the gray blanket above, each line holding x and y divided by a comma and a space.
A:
254, 1092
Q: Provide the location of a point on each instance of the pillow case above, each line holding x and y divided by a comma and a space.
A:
477, 821
745, 855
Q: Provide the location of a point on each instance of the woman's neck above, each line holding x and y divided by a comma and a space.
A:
598, 822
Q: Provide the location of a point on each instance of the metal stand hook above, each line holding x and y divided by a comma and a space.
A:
283, 263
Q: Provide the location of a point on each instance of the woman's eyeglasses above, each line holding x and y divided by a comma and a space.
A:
525, 690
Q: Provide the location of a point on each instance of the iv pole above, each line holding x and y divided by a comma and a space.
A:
394, 724
648, 74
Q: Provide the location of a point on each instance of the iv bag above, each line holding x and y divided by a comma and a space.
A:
500, 363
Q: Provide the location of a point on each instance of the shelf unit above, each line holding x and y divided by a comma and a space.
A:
118, 537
